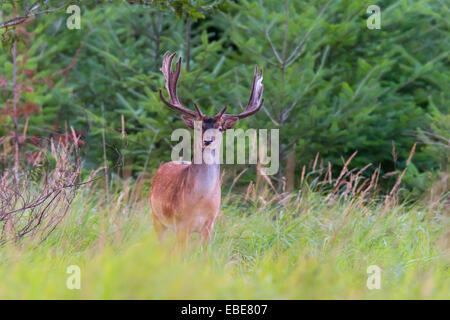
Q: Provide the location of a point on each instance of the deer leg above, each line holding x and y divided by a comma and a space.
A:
182, 238
159, 228
206, 233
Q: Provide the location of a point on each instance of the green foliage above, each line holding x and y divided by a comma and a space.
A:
331, 85
351, 88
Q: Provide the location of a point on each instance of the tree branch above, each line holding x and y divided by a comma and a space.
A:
29, 14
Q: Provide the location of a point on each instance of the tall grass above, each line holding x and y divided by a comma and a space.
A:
304, 246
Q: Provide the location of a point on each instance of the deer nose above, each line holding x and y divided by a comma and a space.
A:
208, 142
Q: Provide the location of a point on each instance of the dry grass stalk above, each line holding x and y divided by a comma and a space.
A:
303, 175
344, 169
344, 221
411, 153
249, 191
391, 199
315, 162
394, 153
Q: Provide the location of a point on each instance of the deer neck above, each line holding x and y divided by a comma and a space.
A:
205, 177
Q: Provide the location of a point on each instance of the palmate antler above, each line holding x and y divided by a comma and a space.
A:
255, 102
171, 86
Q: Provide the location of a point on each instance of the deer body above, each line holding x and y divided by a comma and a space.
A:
186, 196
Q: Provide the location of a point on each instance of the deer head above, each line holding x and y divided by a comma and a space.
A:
220, 121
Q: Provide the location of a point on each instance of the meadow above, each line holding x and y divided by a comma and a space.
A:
304, 246
83, 131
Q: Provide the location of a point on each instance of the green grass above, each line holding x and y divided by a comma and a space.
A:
306, 250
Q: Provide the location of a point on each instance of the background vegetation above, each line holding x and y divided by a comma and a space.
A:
332, 86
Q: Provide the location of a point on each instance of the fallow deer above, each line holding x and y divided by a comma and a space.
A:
186, 196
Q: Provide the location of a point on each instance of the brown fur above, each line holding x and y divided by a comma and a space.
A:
179, 202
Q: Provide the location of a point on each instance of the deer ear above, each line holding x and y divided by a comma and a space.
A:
229, 122
189, 121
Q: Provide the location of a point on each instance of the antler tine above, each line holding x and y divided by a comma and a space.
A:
221, 112
199, 112
255, 101
171, 86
